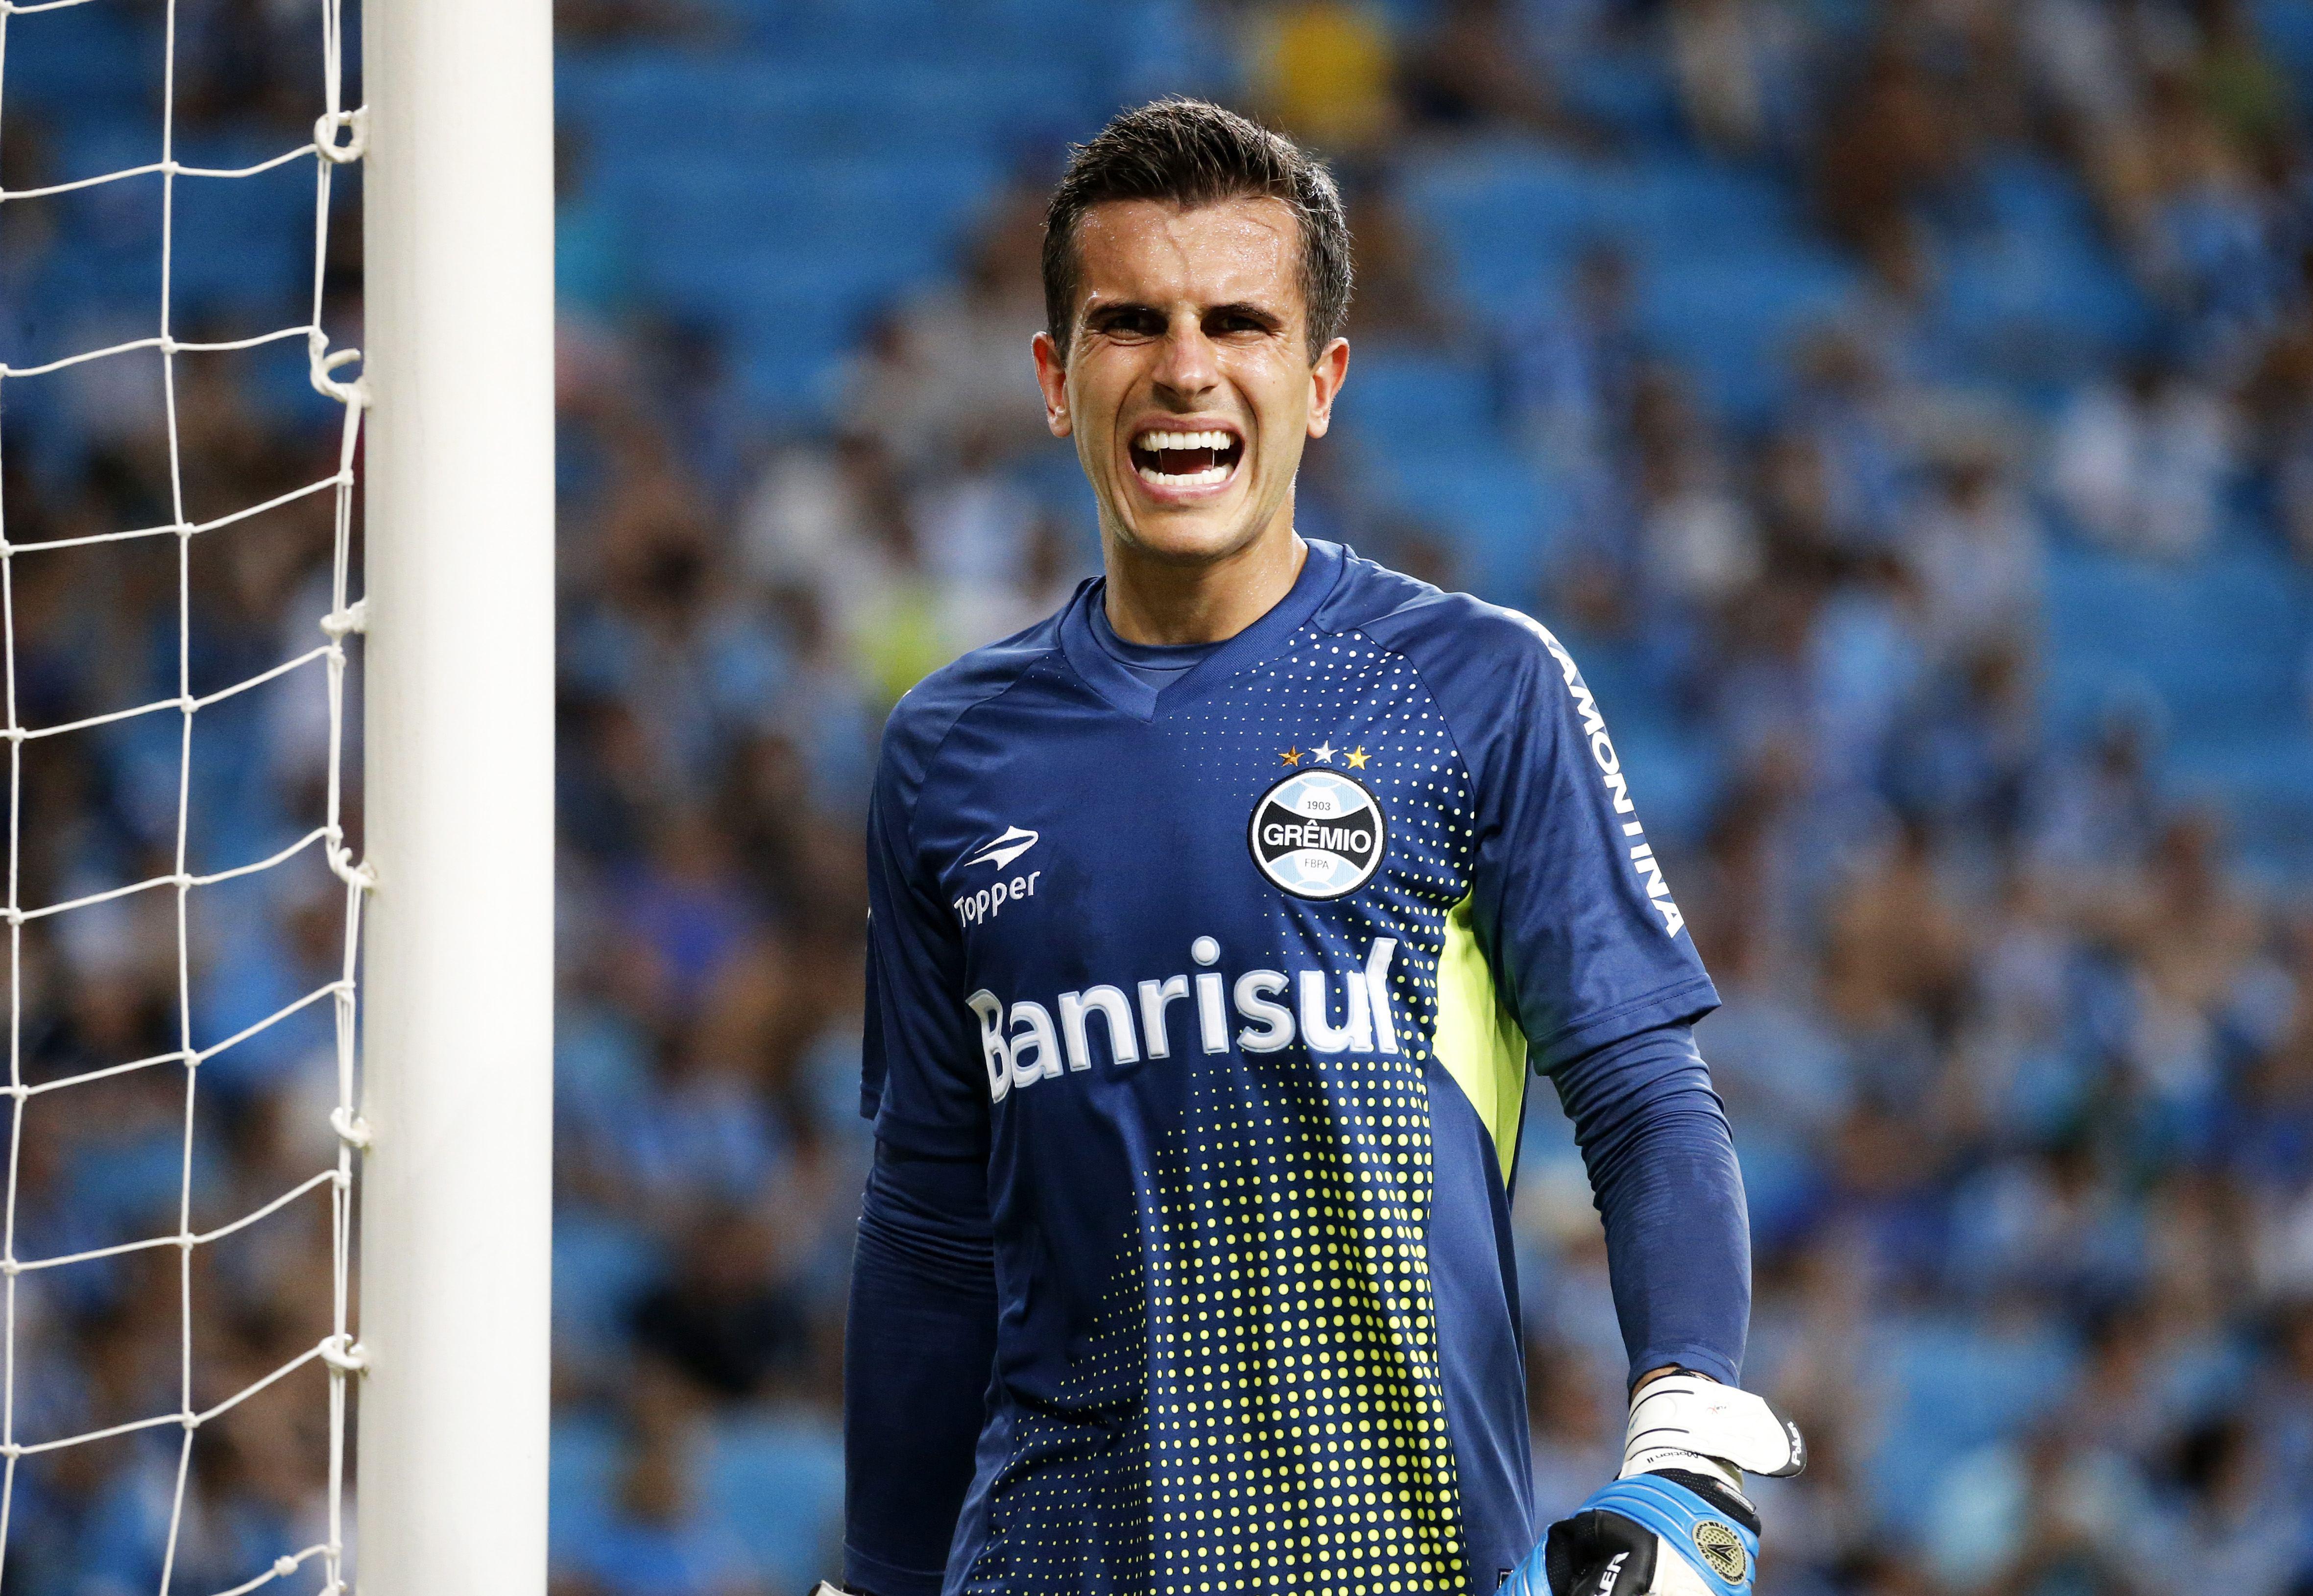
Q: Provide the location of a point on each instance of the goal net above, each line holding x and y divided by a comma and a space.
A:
188, 886
48, 1087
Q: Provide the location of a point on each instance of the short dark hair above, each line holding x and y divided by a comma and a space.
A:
1194, 153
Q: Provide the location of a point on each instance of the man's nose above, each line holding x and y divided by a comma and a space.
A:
1187, 369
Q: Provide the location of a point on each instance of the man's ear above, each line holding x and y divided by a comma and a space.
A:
1052, 377
1326, 379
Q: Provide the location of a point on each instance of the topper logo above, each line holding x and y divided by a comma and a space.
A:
1015, 842
989, 901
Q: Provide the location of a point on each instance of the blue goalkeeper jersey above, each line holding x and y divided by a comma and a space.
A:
1234, 986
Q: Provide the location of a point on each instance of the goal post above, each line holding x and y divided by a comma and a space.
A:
459, 816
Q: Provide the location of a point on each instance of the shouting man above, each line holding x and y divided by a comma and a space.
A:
1217, 922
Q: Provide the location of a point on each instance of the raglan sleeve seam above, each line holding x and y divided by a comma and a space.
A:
1452, 738
910, 885
932, 754
1685, 999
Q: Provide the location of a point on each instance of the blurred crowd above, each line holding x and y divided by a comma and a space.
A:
115, 1140
2018, 1033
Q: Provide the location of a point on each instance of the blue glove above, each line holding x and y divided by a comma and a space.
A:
1652, 1533
1675, 1524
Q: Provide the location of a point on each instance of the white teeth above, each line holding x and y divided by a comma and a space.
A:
1212, 476
1185, 440
1161, 444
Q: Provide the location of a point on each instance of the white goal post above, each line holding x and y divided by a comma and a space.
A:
456, 1184
449, 895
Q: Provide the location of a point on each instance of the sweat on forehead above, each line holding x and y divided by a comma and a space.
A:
1191, 154
1154, 252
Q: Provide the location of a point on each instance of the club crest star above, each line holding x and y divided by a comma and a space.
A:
1291, 756
1358, 759
1323, 753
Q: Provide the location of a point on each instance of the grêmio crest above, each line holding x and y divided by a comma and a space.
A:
1318, 834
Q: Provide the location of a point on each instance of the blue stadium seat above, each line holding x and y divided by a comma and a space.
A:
776, 1482
1955, 1387
1503, 517
814, 207
2263, 787
243, 245
2032, 292
2223, 646
1730, 319
1394, 394
582, 1462
2221, 641
1726, 277
85, 62
1629, 89
2287, 28
1504, 220
761, 285
773, 1481
1507, 212
647, 113
601, 1264
126, 1190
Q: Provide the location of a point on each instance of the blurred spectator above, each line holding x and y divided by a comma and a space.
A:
1974, 552
606, 21
1570, 368
1895, 947
970, 340
656, 1540
1577, 1433
2096, 812
1474, 66
720, 1319
1398, 299
1905, 411
1892, 142
1739, 64
1323, 72
2142, 467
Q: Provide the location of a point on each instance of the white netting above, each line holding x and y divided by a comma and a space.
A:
337, 139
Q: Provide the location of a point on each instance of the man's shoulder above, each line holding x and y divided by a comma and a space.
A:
1436, 630
928, 711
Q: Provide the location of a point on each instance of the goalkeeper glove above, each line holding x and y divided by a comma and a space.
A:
1676, 1523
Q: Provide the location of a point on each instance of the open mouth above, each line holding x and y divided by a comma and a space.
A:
1186, 459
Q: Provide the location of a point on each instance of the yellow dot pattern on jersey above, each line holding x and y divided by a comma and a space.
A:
1259, 1405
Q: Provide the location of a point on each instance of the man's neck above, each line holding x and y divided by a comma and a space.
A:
1153, 601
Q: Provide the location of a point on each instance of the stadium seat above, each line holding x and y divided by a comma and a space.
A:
70, 64
2287, 28
1731, 319
1953, 1387
601, 1264
1423, 398
1725, 280
2030, 290
2221, 641
777, 1481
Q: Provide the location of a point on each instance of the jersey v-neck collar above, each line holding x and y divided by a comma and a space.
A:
1123, 691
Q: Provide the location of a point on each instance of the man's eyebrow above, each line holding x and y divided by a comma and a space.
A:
1246, 308
1118, 308
1115, 308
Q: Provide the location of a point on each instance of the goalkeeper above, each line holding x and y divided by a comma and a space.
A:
1217, 924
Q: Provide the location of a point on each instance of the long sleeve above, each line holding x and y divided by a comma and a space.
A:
1655, 1139
918, 1351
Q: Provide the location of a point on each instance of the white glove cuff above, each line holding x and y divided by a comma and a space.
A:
1681, 1420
